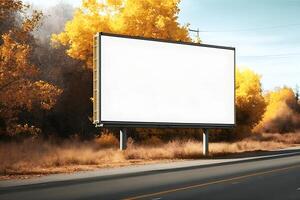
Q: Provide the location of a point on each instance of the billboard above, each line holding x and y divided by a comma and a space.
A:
141, 82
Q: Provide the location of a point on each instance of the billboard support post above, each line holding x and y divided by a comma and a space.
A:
123, 139
205, 142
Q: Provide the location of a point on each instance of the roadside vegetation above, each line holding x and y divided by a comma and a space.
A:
46, 89
39, 157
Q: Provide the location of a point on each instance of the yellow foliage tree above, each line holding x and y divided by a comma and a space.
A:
282, 112
250, 103
7, 6
147, 18
20, 88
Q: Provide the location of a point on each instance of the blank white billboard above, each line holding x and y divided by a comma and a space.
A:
150, 82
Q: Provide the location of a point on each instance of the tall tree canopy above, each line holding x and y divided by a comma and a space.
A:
20, 86
148, 18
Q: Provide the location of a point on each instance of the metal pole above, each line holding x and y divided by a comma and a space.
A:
205, 142
123, 139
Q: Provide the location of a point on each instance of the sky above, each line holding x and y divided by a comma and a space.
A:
265, 33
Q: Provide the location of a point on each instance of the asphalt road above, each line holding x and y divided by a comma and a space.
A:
276, 178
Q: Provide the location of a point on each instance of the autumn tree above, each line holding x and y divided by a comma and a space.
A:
282, 112
148, 18
20, 86
250, 103
8, 10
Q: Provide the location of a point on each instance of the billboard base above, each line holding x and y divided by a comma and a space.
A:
123, 139
205, 142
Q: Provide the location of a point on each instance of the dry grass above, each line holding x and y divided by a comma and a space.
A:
36, 157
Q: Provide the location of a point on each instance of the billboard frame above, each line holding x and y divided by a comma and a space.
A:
134, 124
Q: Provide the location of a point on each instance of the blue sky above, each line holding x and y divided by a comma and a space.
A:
266, 33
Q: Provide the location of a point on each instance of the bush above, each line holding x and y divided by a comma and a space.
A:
282, 113
107, 140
